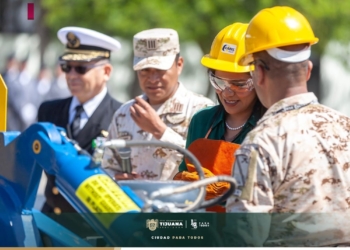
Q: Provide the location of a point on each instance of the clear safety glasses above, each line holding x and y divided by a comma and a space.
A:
237, 86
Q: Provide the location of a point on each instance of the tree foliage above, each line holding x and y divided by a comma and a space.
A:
198, 20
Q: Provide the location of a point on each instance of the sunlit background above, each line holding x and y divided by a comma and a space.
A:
197, 22
35, 43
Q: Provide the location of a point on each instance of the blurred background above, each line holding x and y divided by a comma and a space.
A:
29, 48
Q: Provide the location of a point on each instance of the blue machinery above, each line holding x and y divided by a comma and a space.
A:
99, 199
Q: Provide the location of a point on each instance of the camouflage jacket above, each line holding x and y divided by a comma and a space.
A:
150, 162
295, 166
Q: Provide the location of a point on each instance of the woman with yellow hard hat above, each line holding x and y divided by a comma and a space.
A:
216, 132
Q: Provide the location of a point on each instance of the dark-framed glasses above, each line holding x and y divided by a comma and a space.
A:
237, 86
262, 63
80, 69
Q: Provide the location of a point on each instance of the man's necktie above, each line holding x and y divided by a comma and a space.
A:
75, 126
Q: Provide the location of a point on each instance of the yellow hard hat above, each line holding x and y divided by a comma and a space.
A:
276, 27
226, 50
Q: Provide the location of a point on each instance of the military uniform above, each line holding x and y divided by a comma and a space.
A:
155, 49
296, 162
83, 120
150, 162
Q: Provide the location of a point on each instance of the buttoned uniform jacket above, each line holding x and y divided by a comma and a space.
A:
155, 163
294, 167
57, 112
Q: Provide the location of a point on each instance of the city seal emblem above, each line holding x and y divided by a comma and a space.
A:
152, 224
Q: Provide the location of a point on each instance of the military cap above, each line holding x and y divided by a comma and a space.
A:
155, 48
86, 45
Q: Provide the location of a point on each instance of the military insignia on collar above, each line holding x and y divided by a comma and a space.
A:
178, 107
72, 40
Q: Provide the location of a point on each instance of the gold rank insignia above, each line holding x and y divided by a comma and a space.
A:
73, 40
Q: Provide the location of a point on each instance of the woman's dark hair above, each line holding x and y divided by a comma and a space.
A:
259, 109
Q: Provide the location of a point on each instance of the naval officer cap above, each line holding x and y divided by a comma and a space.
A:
86, 45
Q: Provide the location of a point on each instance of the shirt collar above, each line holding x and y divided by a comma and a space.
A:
220, 118
91, 105
298, 100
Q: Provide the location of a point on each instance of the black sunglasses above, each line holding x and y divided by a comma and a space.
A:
79, 69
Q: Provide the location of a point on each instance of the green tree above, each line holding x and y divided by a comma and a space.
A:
198, 20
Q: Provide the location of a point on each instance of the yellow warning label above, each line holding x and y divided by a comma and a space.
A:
102, 195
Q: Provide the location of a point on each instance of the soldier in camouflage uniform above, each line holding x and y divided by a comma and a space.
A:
162, 113
294, 166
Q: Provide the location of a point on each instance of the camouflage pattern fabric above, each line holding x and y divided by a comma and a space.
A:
155, 48
150, 162
295, 166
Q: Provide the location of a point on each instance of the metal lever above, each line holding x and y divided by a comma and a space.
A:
125, 154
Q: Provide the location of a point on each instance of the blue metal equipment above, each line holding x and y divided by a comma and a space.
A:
99, 199
84, 184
